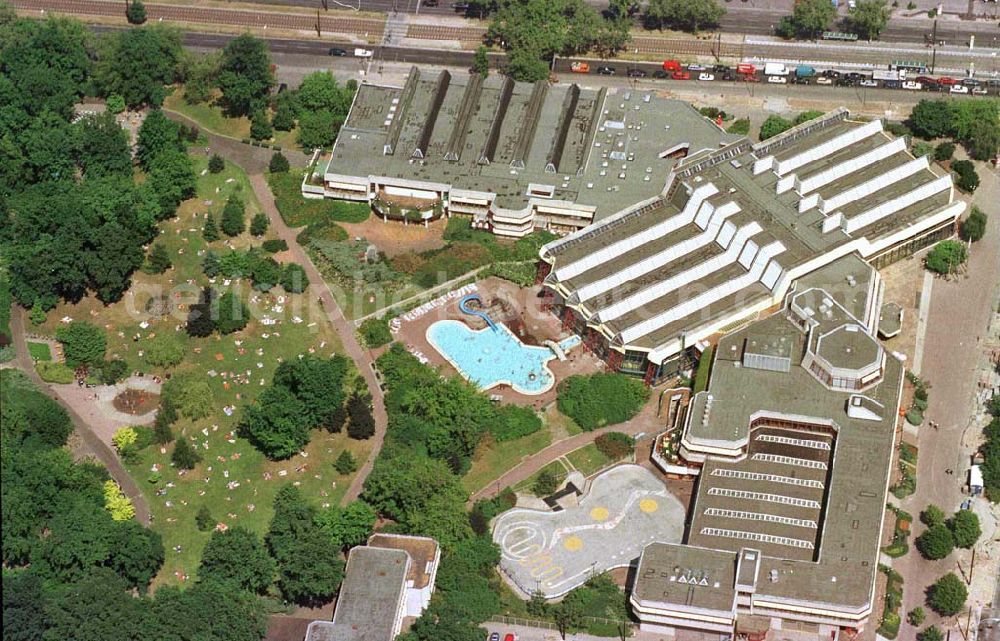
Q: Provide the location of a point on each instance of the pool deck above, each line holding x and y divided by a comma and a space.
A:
524, 306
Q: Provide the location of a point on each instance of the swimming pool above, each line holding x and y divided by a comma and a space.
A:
489, 358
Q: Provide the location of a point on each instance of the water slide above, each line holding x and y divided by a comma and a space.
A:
464, 306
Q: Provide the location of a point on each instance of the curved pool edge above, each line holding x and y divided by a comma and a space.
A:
514, 386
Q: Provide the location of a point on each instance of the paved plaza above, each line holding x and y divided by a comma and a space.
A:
554, 552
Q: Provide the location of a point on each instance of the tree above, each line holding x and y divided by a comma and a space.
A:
260, 126
159, 260
868, 18
545, 483
318, 129
811, 17
320, 91
184, 456
200, 321
245, 76
210, 232
983, 139
360, 422
931, 118
933, 633
965, 528
216, 164
23, 606
278, 163
136, 12
234, 216
164, 350
973, 228
94, 607
774, 125
231, 315
312, 573
350, 525
946, 257
171, 175
237, 556
936, 542
481, 61
318, 384
932, 515
284, 114
101, 146
567, 615
947, 596
537, 605
83, 343
601, 399
258, 224
685, 15
276, 425
345, 463
199, 72
37, 313
115, 104
294, 279
137, 63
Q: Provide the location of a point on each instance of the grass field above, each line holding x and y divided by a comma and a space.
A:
588, 459
254, 353
493, 459
40, 351
211, 117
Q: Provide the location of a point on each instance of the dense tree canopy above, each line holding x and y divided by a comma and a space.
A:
809, 18
684, 15
601, 399
245, 75
237, 556
868, 18
83, 343
136, 64
947, 596
936, 542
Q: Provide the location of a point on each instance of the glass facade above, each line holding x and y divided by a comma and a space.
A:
910, 247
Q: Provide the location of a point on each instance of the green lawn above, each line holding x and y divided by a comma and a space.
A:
588, 459
247, 353
556, 467
40, 351
493, 459
211, 117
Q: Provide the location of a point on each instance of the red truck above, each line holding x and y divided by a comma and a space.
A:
671, 65
746, 69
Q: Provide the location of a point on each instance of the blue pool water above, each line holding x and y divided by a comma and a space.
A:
487, 358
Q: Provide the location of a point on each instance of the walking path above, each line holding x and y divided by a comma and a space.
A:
94, 445
958, 318
345, 329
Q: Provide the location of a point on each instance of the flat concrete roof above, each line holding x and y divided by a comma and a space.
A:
370, 596
600, 148
422, 550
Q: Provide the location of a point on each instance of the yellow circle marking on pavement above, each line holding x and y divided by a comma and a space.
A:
599, 513
573, 543
648, 506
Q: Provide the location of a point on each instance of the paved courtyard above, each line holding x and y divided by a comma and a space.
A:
554, 552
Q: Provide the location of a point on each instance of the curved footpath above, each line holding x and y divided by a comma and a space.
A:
94, 445
345, 328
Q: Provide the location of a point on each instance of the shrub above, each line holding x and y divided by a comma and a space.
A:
968, 179
135, 13
274, 245
124, 438
773, 126
601, 399
278, 164
233, 222
947, 596
898, 129
946, 257
345, 463
615, 445
973, 228
740, 127
115, 103
936, 542
115, 502
260, 126
914, 416
375, 332
916, 616
944, 151
514, 421
932, 516
83, 343
113, 371
265, 273
52, 372
164, 350
216, 164
204, 520
361, 423
933, 633
486, 510
233, 314
210, 232
921, 148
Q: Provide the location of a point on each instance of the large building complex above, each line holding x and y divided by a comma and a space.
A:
794, 441
733, 229
511, 156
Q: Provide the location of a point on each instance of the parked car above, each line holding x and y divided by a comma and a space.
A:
460, 6
853, 75
337, 51
750, 77
720, 68
706, 76
430, 3
868, 82
912, 86
661, 74
510, 636
636, 73
606, 71
959, 89
945, 80
777, 80
696, 67
824, 80
845, 82
892, 84
363, 53
671, 65
680, 75
494, 636
924, 80
798, 80
979, 91
931, 86
970, 82
729, 76
830, 73
580, 67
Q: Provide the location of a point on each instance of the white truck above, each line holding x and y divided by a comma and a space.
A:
363, 53
883, 75
775, 69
